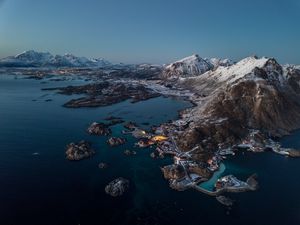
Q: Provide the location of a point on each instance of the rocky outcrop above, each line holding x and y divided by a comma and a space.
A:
252, 182
130, 126
79, 151
99, 129
173, 172
225, 200
115, 122
102, 165
128, 152
115, 141
117, 187
294, 153
202, 171
293, 77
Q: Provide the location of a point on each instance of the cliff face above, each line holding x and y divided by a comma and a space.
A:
258, 105
252, 94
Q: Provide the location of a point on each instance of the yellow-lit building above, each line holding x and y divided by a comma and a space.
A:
159, 138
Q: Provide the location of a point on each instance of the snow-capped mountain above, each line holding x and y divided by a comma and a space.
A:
216, 62
27, 58
254, 93
193, 66
246, 68
190, 66
45, 59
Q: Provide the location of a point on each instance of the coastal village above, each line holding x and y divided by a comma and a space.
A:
185, 172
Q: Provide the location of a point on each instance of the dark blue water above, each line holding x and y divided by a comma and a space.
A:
47, 189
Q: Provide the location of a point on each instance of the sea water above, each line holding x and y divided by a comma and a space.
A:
39, 186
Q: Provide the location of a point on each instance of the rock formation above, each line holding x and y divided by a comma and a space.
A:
173, 172
117, 187
78, 151
99, 129
115, 141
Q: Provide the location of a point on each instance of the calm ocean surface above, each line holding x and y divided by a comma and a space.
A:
45, 188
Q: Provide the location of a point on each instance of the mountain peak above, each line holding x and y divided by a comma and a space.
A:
190, 59
31, 53
248, 68
189, 66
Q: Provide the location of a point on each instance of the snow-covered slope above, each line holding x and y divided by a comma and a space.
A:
238, 70
190, 66
216, 62
43, 59
249, 68
27, 58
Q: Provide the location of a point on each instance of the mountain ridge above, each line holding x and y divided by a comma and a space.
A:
33, 58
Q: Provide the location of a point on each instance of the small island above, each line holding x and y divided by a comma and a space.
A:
79, 151
117, 187
99, 129
116, 141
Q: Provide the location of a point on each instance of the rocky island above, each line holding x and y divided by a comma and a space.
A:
115, 141
99, 129
79, 151
117, 187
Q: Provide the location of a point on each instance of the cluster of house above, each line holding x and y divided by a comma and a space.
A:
229, 181
184, 172
254, 142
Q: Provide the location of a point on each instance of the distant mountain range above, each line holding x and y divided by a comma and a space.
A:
192, 65
45, 59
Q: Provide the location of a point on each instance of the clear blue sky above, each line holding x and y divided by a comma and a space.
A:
157, 31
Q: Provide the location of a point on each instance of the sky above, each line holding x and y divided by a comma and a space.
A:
156, 31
